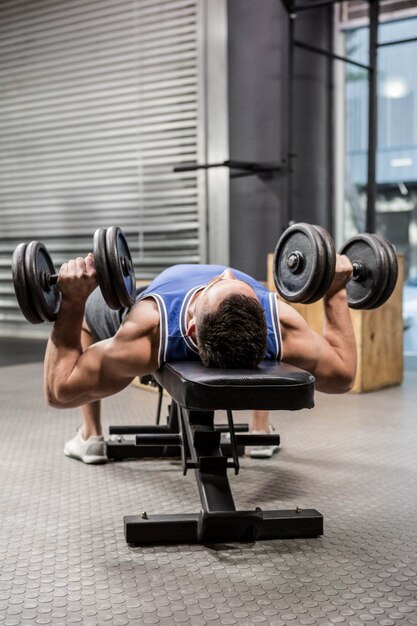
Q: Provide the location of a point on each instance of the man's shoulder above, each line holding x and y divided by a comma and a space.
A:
143, 319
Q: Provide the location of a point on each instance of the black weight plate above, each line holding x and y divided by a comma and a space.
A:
38, 267
364, 291
330, 263
121, 267
21, 286
392, 271
102, 269
300, 284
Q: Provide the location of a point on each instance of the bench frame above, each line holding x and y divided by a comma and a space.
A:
218, 520
197, 392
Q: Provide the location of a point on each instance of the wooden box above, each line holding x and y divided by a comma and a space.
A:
378, 333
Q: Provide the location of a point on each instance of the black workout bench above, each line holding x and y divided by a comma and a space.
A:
197, 392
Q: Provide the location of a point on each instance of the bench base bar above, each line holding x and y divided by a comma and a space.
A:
184, 527
119, 450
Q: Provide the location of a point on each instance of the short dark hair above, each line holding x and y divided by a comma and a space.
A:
234, 334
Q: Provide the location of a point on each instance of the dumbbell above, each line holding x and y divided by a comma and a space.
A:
305, 260
35, 279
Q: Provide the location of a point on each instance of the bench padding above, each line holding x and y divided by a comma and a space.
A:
272, 385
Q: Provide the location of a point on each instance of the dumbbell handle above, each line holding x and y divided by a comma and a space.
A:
358, 270
126, 264
47, 280
295, 262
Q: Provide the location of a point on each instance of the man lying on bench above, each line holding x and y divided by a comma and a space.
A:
211, 313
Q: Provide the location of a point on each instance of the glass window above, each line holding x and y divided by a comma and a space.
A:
396, 171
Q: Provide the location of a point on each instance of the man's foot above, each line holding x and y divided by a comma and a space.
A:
91, 450
263, 452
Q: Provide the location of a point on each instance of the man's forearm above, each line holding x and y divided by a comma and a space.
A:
338, 332
63, 349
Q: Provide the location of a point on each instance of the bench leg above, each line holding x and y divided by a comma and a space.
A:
218, 521
241, 526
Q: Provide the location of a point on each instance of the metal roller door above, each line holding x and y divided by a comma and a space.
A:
99, 100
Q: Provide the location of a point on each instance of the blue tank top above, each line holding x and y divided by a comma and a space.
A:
173, 290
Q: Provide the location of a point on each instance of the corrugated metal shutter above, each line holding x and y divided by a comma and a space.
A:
98, 101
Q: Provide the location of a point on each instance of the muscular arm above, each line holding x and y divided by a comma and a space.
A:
330, 357
73, 377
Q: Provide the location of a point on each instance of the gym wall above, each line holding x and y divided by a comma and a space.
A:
313, 197
101, 99
257, 97
258, 126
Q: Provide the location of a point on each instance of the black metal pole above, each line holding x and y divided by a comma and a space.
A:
316, 5
290, 115
287, 5
331, 55
397, 42
372, 114
331, 126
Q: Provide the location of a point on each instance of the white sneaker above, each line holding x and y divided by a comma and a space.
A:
91, 450
263, 452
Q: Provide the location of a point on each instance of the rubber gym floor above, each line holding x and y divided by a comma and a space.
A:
64, 560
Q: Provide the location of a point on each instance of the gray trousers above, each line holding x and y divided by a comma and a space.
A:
102, 321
